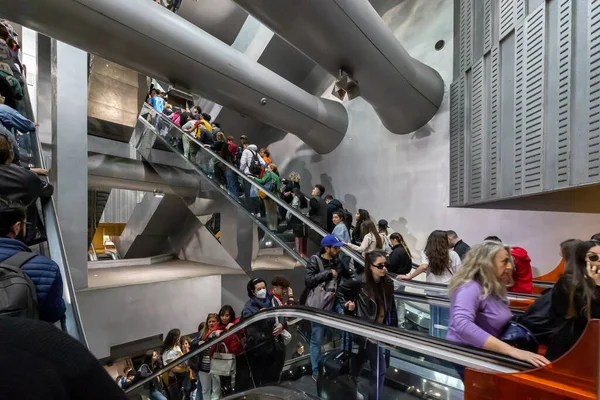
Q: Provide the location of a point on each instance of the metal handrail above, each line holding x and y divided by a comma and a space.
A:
56, 242
411, 341
254, 219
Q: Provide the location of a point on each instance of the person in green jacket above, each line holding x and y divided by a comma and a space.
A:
272, 183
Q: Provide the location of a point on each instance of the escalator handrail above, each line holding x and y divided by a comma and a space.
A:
357, 258
411, 341
56, 245
276, 199
254, 219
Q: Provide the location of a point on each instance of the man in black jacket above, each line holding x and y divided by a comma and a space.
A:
18, 184
317, 213
460, 247
324, 267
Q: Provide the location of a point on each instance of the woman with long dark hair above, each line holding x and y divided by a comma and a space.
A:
575, 298
171, 351
371, 239
440, 263
362, 215
371, 297
151, 363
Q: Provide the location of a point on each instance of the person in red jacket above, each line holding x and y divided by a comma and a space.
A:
227, 319
522, 274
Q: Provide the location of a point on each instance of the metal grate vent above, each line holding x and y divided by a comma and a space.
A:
457, 116
506, 17
594, 89
477, 115
494, 149
534, 100
487, 26
466, 34
519, 107
520, 11
565, 15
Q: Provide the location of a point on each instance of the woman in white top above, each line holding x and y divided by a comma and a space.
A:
371, 240
440, 263
171, 351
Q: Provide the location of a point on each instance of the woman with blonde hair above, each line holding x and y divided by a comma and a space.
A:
211, 384
479, 311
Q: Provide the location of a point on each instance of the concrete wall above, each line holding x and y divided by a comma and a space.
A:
404, 179
120, 315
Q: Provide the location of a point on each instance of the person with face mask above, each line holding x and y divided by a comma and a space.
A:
43, 272
264, 346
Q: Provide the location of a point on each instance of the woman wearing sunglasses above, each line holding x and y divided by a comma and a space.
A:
575, 297
371, 297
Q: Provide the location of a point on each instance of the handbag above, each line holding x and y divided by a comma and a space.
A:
519, 336
323, 295
222, 362
286, 336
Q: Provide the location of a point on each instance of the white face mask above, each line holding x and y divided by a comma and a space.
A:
261, 294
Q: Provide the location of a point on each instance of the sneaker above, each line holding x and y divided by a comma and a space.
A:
314, 378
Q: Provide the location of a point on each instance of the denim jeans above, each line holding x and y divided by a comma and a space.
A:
156, 395
232, 183
316, 343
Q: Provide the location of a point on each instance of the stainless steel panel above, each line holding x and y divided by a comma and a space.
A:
404, 92
142, 40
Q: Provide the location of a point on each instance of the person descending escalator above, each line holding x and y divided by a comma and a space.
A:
232, 344
362, 216
370, 297
479, 312
399, 263
176, 376
265, 350
150, 364
210, 384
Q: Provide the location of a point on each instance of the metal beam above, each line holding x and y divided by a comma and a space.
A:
146, 37
350, 35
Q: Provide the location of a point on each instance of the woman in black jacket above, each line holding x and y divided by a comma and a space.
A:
371, 297
575, 298
400, 259
357, 234
150, 364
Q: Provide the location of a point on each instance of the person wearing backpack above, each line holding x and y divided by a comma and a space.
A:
323, 274
250, 164
332, 205
32, 286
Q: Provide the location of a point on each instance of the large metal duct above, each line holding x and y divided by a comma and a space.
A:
146, 37
350, 35
110, 172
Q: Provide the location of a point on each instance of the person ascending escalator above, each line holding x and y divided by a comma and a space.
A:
265, 349
370, 297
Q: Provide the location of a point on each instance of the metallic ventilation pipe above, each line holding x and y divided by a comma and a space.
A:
110, 172
351, 36
146, 37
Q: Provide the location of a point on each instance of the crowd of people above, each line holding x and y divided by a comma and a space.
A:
20, 188
247, 358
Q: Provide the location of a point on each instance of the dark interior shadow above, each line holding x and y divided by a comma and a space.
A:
327, 182
400, 226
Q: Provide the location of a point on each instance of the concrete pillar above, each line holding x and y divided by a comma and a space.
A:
69, 153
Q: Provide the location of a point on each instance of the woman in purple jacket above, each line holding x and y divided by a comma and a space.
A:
479, 310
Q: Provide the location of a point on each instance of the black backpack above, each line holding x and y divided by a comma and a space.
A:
19, 297
347, 217
254, 167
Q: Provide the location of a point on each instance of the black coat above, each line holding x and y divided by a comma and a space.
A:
314, 277
568, 331
334, 205
399, 261
461, 248
366, 307
318, 211
21, 185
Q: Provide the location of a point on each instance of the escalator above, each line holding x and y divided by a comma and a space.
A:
53, 247
155, 133
411, 365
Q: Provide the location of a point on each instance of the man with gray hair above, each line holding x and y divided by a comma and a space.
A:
460, 247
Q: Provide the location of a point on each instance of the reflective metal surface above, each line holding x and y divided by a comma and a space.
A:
350, 35
146, 37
